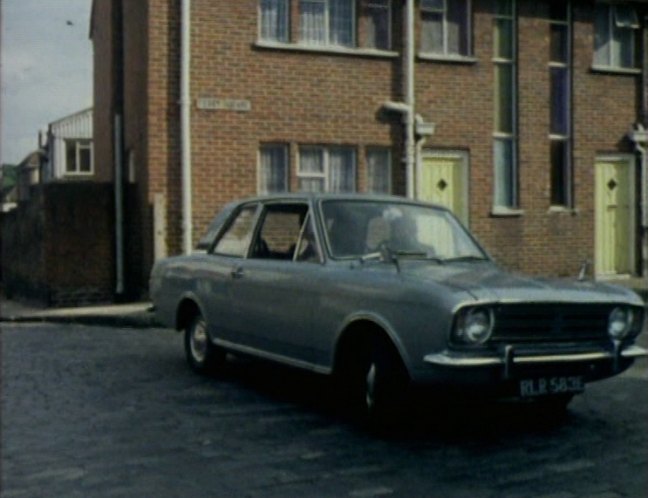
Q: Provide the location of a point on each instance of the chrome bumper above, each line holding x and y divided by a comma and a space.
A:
512, 357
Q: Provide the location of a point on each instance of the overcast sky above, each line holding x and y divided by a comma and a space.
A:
46, 70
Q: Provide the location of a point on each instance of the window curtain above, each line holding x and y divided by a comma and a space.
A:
311, 162
378, 171
274, 166
341, 170
312, 21
274, 20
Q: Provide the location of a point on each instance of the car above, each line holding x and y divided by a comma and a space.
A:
384, 293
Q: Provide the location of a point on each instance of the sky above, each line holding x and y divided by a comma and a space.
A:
46, 69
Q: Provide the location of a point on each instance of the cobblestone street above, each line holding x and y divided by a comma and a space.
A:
98, 411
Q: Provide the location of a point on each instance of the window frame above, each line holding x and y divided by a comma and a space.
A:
287, 18
507, 138
79, 144
379, 149
373, 5
353, 42
262, 189
611, 63
468, 35
567, 171
325, 175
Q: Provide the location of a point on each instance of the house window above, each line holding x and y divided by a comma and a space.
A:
445, 27
505, 138
78, 157
379, 174
273, 169
327, 169
378, 23
560, 103
274, 20
327, 22
615, 29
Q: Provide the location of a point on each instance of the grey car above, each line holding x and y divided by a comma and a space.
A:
384, 293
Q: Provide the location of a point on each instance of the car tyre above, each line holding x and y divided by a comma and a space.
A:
203, 356
378, 384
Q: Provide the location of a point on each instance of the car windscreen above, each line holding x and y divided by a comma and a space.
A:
358, 228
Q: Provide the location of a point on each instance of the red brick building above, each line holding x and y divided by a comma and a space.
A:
518, 114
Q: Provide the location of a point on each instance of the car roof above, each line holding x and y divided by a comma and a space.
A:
316, 197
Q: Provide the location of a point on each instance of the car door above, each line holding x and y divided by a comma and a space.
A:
218, 273
278, 283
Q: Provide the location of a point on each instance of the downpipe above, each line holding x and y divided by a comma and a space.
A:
185, 126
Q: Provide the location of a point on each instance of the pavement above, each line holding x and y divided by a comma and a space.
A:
136, 315
140, 314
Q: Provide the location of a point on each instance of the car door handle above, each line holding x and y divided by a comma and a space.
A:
237, 272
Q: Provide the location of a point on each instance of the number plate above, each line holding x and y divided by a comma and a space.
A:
544, 386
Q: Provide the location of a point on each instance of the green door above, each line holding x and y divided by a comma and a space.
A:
614, 217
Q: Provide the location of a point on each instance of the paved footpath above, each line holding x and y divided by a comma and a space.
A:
103, 412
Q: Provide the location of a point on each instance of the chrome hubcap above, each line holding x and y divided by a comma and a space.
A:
198, 342
371, 385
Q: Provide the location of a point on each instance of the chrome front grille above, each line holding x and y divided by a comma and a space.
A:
550, 322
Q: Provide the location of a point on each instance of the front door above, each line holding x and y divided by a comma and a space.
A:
443, 180
615, 234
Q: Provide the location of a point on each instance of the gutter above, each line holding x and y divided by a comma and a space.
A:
185, 126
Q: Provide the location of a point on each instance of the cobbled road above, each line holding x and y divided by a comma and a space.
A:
101, 412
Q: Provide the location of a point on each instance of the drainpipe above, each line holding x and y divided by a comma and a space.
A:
185, 126
119, 207
410, 146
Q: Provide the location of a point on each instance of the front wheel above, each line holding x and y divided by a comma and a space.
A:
202, 356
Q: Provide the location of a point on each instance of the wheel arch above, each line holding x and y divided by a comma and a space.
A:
188, 307
357, 332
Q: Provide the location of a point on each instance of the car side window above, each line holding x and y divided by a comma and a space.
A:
307, 248
236, 239
280, 231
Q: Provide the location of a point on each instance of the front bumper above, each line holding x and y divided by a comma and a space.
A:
510, 358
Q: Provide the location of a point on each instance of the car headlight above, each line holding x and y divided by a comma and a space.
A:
619, 322
474, 326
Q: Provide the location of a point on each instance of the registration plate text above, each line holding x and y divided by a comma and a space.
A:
544, 386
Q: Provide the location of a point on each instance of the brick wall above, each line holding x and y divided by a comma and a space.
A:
303, 98
58, 247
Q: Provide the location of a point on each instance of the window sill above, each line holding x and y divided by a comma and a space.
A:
563, 210
506, 212
326, 49
455, 59
615, 70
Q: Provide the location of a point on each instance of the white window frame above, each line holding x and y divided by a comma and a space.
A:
325, 174
79, 144
287, 21
327, 27
509, 137
444, 12
611, 63
382, 150
262, 189
372, 5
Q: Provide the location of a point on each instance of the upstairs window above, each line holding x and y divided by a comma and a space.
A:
327, 22
445, 27
615, 29
78, 157
377, 26
274, 20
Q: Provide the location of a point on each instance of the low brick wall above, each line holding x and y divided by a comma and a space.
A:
58, 246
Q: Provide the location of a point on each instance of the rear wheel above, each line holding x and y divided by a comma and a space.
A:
202, 356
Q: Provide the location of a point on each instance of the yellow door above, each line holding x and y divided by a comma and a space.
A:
443, 182
614, 217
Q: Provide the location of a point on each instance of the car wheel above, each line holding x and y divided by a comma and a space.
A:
202, 355
379, 384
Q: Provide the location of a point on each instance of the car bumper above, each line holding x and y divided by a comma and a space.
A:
510, 360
